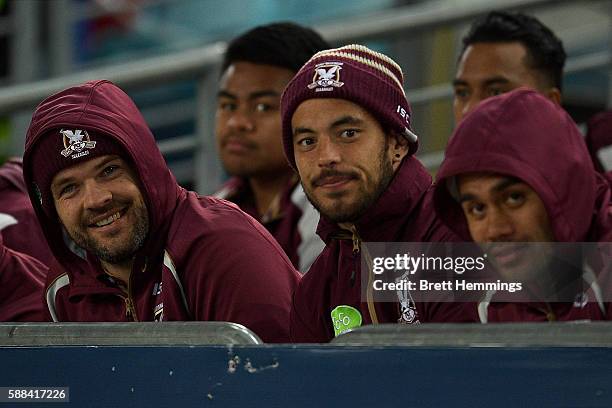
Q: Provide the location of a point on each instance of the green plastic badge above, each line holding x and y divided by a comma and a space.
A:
345, 318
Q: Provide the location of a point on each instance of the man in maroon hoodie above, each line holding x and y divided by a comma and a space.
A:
346, 129
131, 244
256, 68
517, 171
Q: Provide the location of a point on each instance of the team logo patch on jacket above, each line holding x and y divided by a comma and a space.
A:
76, 142
407, 309
326, 77
158, 313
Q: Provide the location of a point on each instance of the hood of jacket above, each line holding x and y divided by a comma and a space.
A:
103, 108
522, 134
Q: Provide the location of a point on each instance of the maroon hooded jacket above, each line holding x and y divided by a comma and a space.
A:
403, 213
204, 259
22, 281
26, 235
523, 135
292, 220
599, 142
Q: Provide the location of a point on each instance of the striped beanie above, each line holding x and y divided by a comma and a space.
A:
359, 75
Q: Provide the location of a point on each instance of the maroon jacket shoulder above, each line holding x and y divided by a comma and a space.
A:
234, 268
293, 224
26, 235
21, 285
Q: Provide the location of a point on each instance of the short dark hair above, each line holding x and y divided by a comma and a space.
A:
284, 44
545, 51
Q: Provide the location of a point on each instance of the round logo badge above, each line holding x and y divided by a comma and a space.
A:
345, 318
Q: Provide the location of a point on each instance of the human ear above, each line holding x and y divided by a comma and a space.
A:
398, 148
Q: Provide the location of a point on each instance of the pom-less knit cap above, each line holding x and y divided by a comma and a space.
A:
62, 148
359, 75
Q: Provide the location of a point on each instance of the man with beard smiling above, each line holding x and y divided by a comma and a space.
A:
131, 244
516, 177
347, 131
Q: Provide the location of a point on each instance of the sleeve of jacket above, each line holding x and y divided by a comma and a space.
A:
310, 318
21, 287
238, 273
304, 324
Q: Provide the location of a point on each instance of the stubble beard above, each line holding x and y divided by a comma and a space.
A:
353, 211
125, 249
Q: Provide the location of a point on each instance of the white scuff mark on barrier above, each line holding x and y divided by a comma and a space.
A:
210, 394
233, 364
248, 367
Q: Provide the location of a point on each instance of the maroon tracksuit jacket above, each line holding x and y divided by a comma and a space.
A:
26, 235
204, 258
403, 213
522, 135
293, 223
599, 142
22, 281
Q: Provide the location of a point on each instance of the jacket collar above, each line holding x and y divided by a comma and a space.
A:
385, 217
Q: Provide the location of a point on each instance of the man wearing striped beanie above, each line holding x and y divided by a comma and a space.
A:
347, 131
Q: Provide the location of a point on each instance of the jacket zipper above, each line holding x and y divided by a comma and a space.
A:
129, 303
368, 259
130, 310
550, 315
356, 240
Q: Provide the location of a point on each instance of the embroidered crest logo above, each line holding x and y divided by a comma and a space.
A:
581, 300
157, 289
76, 142
158, 313
326, 77
407, 308
408, 315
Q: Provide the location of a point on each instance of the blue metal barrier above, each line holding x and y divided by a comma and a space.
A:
315, 376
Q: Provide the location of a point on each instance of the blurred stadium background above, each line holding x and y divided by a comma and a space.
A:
165, 54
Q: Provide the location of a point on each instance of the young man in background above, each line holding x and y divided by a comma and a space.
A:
504, 51
256, 68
